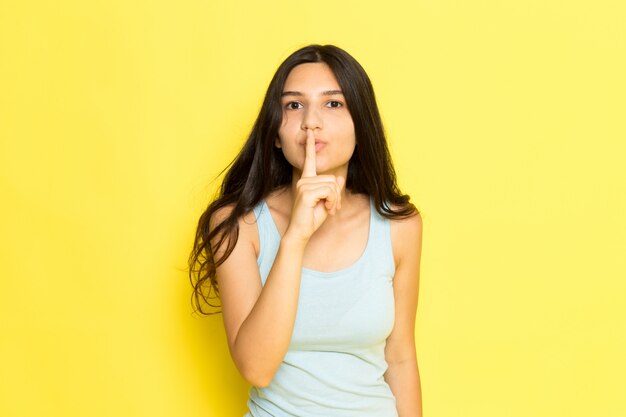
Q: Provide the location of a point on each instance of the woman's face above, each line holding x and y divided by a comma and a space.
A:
312, 99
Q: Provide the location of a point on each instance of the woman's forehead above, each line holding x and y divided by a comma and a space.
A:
311, 78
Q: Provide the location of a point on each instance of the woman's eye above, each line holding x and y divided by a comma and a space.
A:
294, 105
335, 104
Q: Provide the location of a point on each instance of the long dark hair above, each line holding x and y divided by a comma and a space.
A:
261, 168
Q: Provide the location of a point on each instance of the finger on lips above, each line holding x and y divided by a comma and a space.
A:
311, 181
309, 169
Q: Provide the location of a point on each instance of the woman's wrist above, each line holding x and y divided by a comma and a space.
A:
293, 242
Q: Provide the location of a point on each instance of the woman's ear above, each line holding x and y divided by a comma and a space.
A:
277, 142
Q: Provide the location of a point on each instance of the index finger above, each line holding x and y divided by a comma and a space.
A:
309, 169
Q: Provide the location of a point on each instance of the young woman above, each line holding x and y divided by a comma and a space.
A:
314, 252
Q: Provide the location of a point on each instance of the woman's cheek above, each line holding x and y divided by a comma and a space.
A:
290, 152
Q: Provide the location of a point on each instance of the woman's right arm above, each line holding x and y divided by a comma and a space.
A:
259, 320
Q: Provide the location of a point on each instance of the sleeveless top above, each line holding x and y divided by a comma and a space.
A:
336, 358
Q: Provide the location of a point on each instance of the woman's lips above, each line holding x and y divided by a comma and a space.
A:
319, 144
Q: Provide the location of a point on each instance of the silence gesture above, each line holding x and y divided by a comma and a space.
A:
317, 196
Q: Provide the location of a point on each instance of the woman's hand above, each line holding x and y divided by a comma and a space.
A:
317, 196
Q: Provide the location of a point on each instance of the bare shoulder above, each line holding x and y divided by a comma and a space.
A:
248, 232
223, 213
406, 237
407, 227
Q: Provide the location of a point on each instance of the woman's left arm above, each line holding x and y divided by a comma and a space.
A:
402, 374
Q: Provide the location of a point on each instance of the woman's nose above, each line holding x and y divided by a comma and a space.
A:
312, 119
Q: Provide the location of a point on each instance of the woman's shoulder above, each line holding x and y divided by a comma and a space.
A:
414, 219
275, 200
223, 213
406, 234
248, 233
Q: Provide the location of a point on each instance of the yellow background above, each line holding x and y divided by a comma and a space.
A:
506, 120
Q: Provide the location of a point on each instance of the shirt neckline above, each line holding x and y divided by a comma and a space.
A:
344, 270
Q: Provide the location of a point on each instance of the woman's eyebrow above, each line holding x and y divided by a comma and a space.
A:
324, 93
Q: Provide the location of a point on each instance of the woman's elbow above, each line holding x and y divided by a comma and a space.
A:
259, 378
256, 368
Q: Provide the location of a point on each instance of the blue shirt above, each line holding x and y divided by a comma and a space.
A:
336, 359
